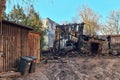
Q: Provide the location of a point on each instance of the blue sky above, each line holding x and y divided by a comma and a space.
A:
65, 10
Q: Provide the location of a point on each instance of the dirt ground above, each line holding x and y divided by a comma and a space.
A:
77, 69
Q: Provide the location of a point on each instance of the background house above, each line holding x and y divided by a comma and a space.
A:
50, 27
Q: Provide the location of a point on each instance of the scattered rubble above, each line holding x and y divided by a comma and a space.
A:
77, 69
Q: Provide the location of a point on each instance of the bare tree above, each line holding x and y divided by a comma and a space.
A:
106, 30
91, 20
2, 8
113, 23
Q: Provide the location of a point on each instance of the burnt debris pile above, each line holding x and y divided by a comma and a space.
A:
71, 42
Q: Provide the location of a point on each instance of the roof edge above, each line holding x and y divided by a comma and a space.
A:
18, 25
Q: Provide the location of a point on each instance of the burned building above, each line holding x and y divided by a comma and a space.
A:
70, 33
71, 37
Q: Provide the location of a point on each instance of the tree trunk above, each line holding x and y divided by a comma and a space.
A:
2, 8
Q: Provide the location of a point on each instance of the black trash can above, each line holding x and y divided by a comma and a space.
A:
24, 66
33, 64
